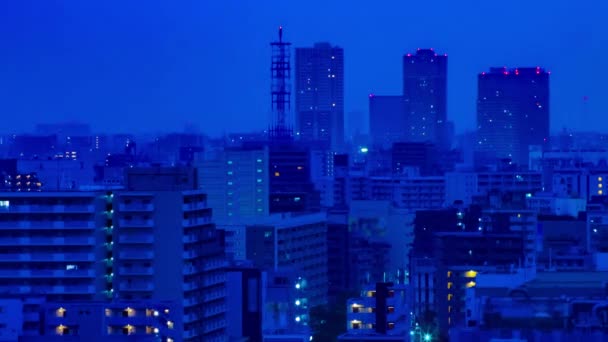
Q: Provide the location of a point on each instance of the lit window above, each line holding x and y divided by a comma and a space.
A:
470, 284
230, 162
449, 274
108, 312
60, 312
300, 167
128, 329
4, 204
61, 330
599, 179
277, 174
450, 296
170, 324
470, 274
600, 185
600, 192
450, 285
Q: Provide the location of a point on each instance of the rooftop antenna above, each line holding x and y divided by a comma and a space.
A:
280, 69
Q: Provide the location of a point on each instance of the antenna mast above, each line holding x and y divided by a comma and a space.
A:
281, 87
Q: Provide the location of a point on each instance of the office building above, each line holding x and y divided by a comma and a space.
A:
236, 183
320, 95
425, 96
167, 248
512, 113
387, 120
290, 186
420, 155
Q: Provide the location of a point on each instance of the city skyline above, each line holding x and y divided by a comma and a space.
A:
78, 71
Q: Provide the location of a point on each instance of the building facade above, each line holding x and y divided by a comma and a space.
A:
512, 113
320, 94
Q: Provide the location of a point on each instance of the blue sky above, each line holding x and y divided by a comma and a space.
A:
135, 66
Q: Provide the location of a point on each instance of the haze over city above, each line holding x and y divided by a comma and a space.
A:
138, 67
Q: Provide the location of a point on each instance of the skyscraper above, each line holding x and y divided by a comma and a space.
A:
320, 94
425, 95
512, 113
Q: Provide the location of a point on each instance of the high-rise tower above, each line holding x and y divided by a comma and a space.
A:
512, 113
320, 95
425, 96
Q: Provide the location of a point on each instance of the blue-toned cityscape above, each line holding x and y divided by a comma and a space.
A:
381, 225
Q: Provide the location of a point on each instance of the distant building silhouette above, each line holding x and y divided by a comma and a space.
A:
512, 113
425, 96
320, 94
387, 122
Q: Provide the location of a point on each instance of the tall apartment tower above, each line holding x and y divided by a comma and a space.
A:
512, 113
320, 94
167, 248
425, 96
52, 245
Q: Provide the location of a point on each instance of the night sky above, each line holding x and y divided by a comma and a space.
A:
134, 66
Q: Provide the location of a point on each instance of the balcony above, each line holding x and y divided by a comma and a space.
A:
196, 221
136, 223
135, 239
136, 287
136, 255
69, 289
46, 241
189, 286
69, 224
136, 271
192, 301
72, 208
211, 296
136, 207
47, 257
213, 280
194, 206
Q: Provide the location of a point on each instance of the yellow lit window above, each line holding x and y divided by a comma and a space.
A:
60, 312
450, 296
470, 284
128, 329
450, 285
599, 192
470, 274
449, 274
277, 174
599, 179
61, 329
